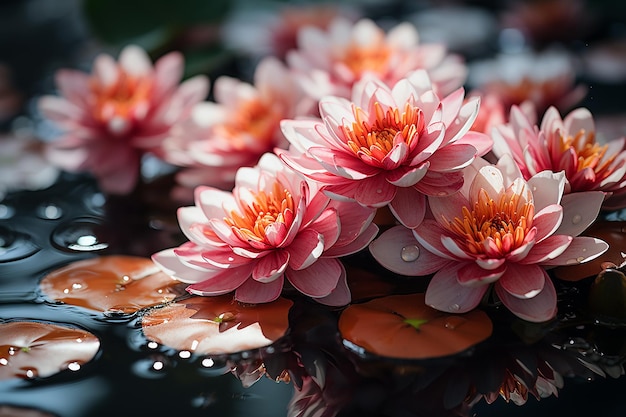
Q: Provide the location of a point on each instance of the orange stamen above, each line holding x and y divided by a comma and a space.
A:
266, 209
120, 98
377, 139
506, 221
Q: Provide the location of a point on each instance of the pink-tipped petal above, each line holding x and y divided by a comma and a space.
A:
444, 292
542, 307
270, 267
340, 296
523, 281
319, 279
255, 292
306, 249
409, 207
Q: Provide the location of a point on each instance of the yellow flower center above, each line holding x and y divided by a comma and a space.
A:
377, 139
266, 209
507, 221
253, 119
120, 99
372, 58
589, 152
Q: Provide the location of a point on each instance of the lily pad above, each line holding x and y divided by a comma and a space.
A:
217, 325
116, 283
30, 349
404, 327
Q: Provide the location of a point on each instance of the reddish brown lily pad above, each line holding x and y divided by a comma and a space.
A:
116, 283
404, 327
31, 349
613, 233
217, 325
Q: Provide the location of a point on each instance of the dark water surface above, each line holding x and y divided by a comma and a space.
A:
45, 230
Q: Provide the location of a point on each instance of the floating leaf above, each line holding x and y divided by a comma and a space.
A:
217, 325
30, 349
403, 326
116, 283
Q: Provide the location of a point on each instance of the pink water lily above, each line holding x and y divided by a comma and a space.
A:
566, 144
499, 229
118, 113
329, 62
234, 130
273, 225
388, 146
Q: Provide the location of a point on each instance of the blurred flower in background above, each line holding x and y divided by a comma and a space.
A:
234, 130
118, 113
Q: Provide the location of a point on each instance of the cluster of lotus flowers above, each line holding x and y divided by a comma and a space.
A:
358, 140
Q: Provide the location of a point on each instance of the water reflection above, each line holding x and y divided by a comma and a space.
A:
306, 370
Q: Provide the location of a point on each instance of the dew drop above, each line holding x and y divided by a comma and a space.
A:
4, 361
15, 245
455, 307
73, 366
454, 321
78, 236
184, 354
379, 191
576, 219
6, 212
208, 362
30, 373
49, 211
410, 253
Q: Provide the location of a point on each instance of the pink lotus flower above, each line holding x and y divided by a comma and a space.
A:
499, 229
273, 225
118, 113
566, 144
330, 62
241, 125
389, 146
543, 79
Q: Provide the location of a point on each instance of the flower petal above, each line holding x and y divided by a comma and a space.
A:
305, 249
473, 275
341, 295
581, 249
579, 211
397, 250
319, 279
444, 292
222, 283
540, 308
271, 266
255, 292
523, 281
409, 207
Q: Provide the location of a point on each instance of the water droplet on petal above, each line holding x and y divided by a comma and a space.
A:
410, 253
576, 219
379, 191
455, 307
